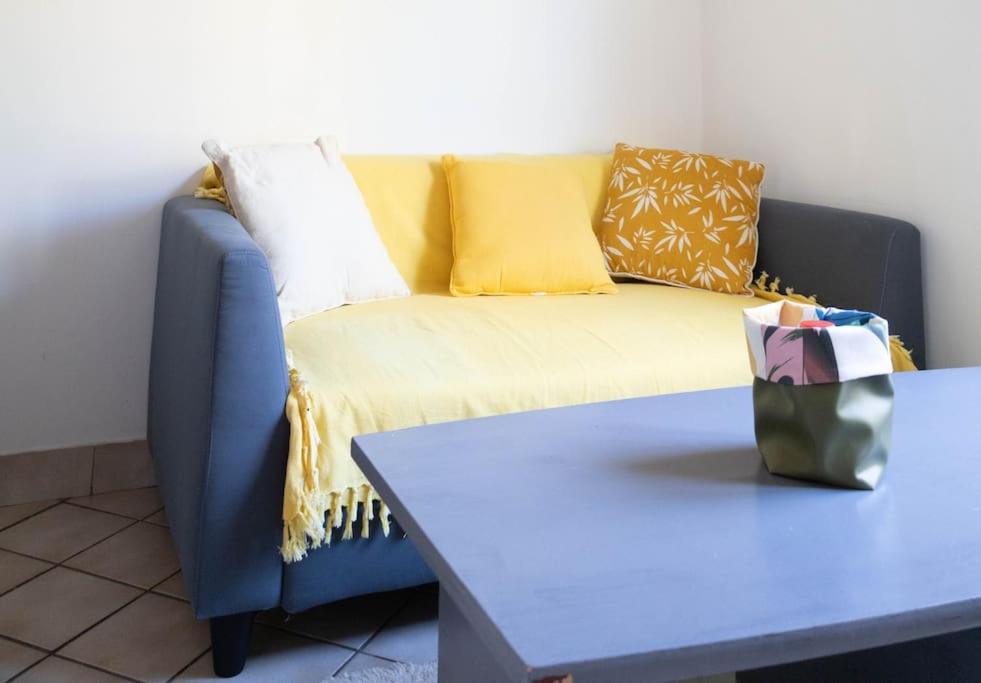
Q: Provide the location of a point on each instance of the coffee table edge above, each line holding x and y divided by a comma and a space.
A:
449, 581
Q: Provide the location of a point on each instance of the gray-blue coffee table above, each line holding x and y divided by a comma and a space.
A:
642, 540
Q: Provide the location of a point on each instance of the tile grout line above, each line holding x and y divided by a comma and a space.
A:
36, 576
124, 676
27, 644
383, 658
112, 580
71, 640
52, 655
54, 565
162, 509
133, 522
143, 592
306, 636
92, 474
345, 663
54, 502
28, 668
32, 646
47, 656
381, 628
157, 585
189, 664
69, 501
283, 628
87, 573
61, 564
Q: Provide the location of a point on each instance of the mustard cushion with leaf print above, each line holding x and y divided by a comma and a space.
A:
521, 226
682, 218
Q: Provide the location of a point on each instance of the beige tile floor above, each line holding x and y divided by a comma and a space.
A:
90, 590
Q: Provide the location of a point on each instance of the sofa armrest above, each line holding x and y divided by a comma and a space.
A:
216, 423
849, 260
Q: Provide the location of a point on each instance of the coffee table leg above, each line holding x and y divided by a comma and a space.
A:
462, 654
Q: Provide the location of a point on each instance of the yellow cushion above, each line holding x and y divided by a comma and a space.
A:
433, 357
521, 226
683, 219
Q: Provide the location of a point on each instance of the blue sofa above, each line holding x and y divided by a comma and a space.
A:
218, 385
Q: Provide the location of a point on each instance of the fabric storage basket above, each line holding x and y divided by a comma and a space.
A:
822, 393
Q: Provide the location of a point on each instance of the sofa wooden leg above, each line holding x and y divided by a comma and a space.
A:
230, 636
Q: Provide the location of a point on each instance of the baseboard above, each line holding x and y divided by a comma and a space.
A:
78, 471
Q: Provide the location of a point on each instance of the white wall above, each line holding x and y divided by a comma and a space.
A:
870, 105
104, 104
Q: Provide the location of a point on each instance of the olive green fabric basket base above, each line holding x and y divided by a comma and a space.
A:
837, 434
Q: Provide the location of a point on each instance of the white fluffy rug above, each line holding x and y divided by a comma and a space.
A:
400, 673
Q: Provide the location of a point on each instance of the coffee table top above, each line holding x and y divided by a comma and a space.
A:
644, 536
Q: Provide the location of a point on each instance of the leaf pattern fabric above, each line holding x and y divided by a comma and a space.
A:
682, 218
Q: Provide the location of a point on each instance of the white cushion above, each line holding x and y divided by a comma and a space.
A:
302, 207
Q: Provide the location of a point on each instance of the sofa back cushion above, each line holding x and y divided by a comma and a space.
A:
409, 204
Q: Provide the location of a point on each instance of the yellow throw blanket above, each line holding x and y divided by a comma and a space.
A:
212, 186
433, 358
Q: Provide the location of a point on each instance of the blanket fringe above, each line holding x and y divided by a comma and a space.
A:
902, 360
320, 512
